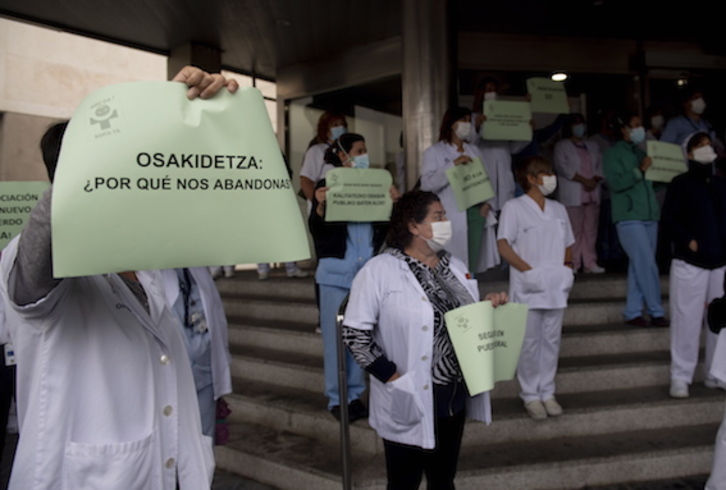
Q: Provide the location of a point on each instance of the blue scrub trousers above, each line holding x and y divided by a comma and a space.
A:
639, 240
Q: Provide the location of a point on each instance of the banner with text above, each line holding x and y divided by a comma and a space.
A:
148, 179
547, 96
668, 161
487, 342
17, 199
507, 121
358, 194
470, 184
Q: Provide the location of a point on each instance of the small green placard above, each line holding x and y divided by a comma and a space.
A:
487, 342
17, 199
357, 194
547, 96
507, 121
470, 184
668, 161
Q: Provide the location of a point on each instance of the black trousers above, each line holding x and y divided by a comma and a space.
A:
7, 394
406, 465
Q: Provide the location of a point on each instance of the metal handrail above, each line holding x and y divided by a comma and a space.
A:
343, 396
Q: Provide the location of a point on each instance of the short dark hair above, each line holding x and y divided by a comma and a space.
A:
531, 166
344, 143
622, 122
412, 206
50, 145
452, 115
571, 120
696, 140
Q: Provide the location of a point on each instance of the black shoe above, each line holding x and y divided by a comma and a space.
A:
335, 411
357, 411
660, 321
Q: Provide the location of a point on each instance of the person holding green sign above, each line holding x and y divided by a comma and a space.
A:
342, 250
536, 238
394, 326
106, 394
635, 212
452, 149
694, 224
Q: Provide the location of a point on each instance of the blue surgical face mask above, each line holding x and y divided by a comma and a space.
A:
578, 131
337, 131
361, 161
637, 135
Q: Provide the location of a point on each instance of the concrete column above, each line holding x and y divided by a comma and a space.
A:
207, 58
426, 77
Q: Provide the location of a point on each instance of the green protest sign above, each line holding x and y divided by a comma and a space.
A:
358, 194
547, 96
470, 184
17, 199
507, 121
148, 179
668, 161
487, 342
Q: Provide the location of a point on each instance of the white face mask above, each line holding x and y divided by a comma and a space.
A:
698, 105
490, 96
463, 130
657, 122
704, 154
441, 235
549, 184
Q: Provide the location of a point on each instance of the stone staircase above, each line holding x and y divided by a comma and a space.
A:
619, 424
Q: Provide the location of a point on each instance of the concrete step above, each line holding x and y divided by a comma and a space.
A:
270, 309
575, 374
304, 413
292, 461
245, 283
576, 340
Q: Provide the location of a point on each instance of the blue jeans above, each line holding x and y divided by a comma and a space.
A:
331, 297
639, 240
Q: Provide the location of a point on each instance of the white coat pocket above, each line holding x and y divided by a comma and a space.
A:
116, 466
532, 281
406, 407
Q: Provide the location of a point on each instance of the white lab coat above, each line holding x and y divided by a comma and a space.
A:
717, 480
567, 164
216, 322
436, 160
497, 157
540, 238
106, 397
387, 298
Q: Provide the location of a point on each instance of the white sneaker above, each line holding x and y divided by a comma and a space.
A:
679, 389
595, 270
297, 274
263, 276
536, 410
714, 383
229, 273
553, 408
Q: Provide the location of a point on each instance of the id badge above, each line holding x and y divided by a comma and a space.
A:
9, 355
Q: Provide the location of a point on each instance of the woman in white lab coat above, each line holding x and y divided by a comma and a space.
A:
331, 126
535, 237
194, 299
578, 164
394, 328
452, 150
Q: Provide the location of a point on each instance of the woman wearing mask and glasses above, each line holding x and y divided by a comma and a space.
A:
536, 238
635, 213
342, 249
694, 223
578, 164
468, 227
394, 326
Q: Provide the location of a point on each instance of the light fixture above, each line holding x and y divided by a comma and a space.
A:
559, 76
